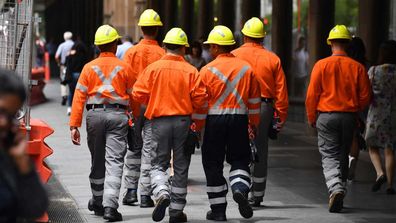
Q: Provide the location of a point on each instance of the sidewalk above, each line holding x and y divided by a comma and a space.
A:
296, 191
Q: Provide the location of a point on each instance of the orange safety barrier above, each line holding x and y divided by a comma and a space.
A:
37, 94
38, 150
47, 72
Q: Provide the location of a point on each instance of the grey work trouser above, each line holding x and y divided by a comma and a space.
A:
107, 141
170, 133
260, 169
335, 134
138, 159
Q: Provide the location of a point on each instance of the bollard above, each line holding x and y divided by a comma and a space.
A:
38, 150
47, 72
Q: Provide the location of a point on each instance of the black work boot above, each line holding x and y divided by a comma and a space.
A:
160, 208
243, 204
255, 201
216, 216
97, 209
130, 197
146, 201
180, 217
111, 214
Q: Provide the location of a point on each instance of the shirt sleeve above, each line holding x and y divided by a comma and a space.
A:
365, 90
131, 80
313, 93
79, 99
59, 51
281, 95
199, 99
142, 89
254, 101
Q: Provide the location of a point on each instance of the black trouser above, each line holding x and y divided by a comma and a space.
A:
226, 137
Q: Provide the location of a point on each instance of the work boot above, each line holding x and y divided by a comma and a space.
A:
160, 208
130, 197
243, 204
336, 202
180, 217
146, 201
255, 201
111, 214
216, 216
97, 209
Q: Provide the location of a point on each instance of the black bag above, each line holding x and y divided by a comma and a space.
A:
191, 143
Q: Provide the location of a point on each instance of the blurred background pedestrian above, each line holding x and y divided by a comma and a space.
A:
195, 57
127, 42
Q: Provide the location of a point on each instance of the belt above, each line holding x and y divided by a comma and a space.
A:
104, 106
267, 100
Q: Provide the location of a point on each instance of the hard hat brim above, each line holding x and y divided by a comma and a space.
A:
98, 43
252, 35
150, 24
220, 44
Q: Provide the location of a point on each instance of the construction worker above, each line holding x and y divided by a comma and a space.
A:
138, 156
234, 102
171, 89
338, 89
105, 85
268, 71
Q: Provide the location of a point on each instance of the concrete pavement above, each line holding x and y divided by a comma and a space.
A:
296, 191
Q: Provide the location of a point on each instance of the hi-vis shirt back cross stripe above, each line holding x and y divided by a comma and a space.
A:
105, 80
232, 88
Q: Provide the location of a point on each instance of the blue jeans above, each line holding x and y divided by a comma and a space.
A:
72, 87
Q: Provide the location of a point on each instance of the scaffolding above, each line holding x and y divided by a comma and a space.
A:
16, 42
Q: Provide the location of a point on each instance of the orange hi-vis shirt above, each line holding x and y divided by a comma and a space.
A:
232, 88
269, 73
170, 87
338, 84
143, 54
105, 80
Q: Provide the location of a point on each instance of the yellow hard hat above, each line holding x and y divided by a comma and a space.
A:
176, 36
254, 28
220, 35
106, 34
339, 32
149, 18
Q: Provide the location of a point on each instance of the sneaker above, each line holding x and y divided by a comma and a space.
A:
130, 197
68, 111
112, 215
243, 204
216, 216
97, 209
146, 201
64, 100
180, 217
160, 208
336, 202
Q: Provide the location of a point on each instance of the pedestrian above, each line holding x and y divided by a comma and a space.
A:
381, 118
171, 89
138, 158
22, 195
234, 102
126, 44
338, 89
268, 71
60, 56
75, 62
195, 58
300, 67
357, 51
105, 85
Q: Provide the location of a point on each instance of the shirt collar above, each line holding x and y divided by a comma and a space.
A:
173, 57
106, 54
252, 45
339, 53
149, 42
225, 55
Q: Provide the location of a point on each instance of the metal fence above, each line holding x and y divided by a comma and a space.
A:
16, 41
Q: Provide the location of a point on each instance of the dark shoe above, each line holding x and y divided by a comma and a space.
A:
111, 214
336, 202
378, 183
390, 191
130, 197
146, 201
160, 208
243, 204
255, 201
216, 216
180, 217
97, 209
64, 100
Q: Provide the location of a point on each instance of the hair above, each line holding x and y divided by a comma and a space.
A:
150, 30
227, 48
387, 52
357, 51
342, 41
198, 46
172, 47
12, 84
108, 47
68, 35
256, 40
